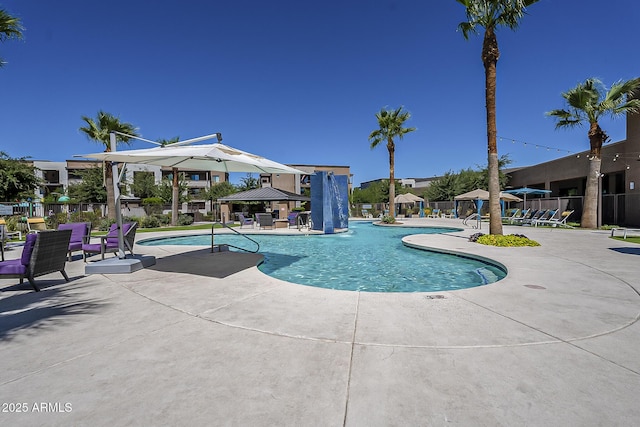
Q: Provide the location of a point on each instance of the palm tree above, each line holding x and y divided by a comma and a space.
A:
491, 14
390, 123
175, 194
587, 103
98, 131
10, 28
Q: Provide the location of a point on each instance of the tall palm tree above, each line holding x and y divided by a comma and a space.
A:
175, 194
491, 14
587, 103
10, 28
98, 130
390, 123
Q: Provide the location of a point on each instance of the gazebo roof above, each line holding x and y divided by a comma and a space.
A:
265, 194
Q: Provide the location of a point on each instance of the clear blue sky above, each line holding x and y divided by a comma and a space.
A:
300, 82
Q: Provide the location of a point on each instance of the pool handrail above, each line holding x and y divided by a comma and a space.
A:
224, 224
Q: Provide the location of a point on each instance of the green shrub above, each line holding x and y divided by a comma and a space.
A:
388, 219
13, 223
510, 240
163, 218
86, 216
185, 219
105, 223
150, 222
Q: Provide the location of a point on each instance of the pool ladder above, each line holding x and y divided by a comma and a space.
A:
224, 224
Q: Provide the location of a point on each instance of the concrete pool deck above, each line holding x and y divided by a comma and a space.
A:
207, 339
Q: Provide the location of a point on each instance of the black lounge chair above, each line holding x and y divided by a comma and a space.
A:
265, 220
43, 253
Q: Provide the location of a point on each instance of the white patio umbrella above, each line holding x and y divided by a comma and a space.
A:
212, 157
183, 155
407, 198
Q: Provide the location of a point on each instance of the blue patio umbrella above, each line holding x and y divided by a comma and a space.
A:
524, 191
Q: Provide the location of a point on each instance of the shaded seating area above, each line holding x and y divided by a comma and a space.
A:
79, 233
43, 253
109, 242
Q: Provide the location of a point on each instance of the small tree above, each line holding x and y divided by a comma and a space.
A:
248, 183
91, 187
144, 184
18, 179
10, 28
391, 126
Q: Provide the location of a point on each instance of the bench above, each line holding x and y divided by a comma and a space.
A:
624, 231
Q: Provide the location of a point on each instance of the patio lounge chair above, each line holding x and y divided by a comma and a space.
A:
36, 224
109, 243
265, 220
79, 232
4, 238
293, 219
562, 221
536, 216
43, 253
510, 214
547, 215
9, 234
244, 220
525, 217
434, 214
446, 214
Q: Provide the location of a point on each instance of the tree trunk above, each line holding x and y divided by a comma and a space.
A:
392, 181
490, 55
111, 197
597, 137
175, 197
590, 208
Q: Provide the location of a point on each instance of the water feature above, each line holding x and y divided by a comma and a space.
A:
329, 209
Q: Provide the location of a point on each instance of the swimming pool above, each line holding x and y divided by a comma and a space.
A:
367, 258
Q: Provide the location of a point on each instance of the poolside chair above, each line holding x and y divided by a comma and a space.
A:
536, 215
525, 217
4, 238
10, 234
510, 214
446, 214
245, 221
562, 221
265, 220
434, 214
293, 219
79, 233
109, 243
36, 224
43, 253
547, 215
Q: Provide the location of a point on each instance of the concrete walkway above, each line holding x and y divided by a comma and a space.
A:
207, 339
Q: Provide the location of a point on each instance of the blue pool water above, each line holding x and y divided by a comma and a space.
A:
366, 258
